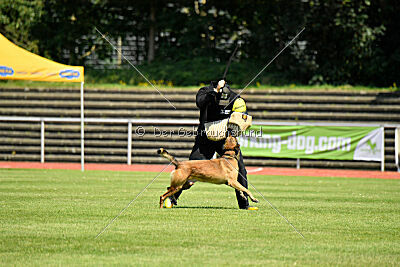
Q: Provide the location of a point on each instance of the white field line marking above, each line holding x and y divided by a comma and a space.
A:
255, 170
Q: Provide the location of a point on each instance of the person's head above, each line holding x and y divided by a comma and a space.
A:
239, 105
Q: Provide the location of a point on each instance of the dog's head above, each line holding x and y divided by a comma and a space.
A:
231, 144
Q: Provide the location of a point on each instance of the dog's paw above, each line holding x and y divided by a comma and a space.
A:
255, 200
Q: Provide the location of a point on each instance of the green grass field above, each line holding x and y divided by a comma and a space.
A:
88, 85
51, 217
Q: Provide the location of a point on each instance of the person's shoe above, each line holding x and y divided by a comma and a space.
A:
251, 208
173, 200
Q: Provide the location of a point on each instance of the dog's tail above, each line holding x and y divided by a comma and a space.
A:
164, 153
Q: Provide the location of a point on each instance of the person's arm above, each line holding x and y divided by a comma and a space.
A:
208, 95
205, 96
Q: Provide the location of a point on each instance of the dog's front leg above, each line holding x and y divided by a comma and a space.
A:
235, 184
242, 195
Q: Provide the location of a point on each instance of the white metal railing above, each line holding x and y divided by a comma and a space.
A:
130, 122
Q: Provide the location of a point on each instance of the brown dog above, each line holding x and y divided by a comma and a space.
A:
223, 170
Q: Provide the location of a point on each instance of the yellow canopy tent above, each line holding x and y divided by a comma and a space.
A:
17, 63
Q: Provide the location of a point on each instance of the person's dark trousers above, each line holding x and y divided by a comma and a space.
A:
205, 149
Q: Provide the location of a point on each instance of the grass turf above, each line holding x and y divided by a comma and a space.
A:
88, 85
51, 217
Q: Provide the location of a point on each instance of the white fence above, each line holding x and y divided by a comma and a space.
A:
139, 122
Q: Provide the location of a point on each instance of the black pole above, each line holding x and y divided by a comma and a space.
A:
229, 62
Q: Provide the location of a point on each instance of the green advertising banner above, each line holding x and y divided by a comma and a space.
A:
313, 142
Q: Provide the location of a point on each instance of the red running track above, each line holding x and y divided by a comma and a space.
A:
158, 168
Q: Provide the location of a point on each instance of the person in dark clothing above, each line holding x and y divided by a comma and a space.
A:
215, 103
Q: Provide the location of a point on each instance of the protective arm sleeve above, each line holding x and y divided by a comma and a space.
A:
206, 96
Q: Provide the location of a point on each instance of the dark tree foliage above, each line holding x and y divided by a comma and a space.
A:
18, 18
188, 42
342, 38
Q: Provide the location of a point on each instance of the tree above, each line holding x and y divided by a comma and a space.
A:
340, 39
17, 18
349, 41
152, 26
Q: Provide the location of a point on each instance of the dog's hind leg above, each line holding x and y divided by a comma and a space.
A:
235, 184
171, 190
163, 196
179, 177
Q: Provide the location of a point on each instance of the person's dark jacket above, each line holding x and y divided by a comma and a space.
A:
212, 107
